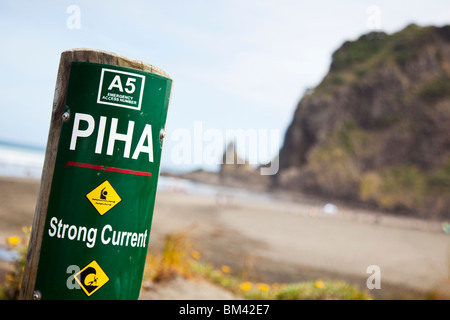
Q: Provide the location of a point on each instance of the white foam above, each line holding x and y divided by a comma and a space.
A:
21, 162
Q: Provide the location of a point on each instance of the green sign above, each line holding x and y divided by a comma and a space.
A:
103, 190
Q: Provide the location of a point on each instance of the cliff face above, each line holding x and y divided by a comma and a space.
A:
377, 128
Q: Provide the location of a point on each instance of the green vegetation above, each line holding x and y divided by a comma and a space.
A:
402, 186
175, 260
436, 90
361, 50
308, 290
355, 60
360, 56
10, 286
333, 166
319, 290
439, 182
337, 168
406, 187
407, 43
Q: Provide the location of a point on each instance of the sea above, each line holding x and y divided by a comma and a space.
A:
24, 161
20, 160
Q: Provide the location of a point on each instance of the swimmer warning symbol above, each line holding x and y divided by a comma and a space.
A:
104, 197
91, 278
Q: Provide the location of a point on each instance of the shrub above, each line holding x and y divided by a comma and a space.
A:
354, 52
402, 186
175, 261
319, 290
436, 90
11, 287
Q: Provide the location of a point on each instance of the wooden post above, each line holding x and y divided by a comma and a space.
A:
67, 57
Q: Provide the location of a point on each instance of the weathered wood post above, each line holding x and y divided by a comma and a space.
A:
95, 204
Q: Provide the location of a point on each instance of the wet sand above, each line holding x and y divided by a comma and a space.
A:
284, 240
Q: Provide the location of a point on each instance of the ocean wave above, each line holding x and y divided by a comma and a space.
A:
21, 162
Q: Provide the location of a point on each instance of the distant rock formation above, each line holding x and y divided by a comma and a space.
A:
233, 165
237, 172
377, 128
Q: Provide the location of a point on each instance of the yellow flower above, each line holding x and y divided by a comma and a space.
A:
318, 284
196, 255
263, 287
26, 230
245, 286
225, 269
13, 240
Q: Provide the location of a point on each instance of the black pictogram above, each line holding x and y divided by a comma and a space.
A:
103, 194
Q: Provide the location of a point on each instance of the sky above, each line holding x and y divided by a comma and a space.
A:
236, 65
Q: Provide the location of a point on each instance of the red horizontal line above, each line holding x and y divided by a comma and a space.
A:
85, 165
137, 173
118, 170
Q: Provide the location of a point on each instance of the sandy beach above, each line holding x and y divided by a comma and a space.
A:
279, 240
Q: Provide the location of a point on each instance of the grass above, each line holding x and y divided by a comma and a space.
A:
353, 52
341, 166
177, 259
398, 186
405, 186
401, 47
354, 60
10, 286
308, 290
436, 90
439, 182
408, 42
333, 168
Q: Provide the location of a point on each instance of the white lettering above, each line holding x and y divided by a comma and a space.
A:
116, 83
100, 135
71, 283
134, 239
374, 280
92, 235
74, 20
53, 221
130, 84
113, 136
196, 310
106, 241
85, 130
146, 135
373, 21
206, 147
77, 132
108, 236
181, 152
72, 233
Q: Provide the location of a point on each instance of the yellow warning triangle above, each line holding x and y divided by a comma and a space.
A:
104, 197
91, 278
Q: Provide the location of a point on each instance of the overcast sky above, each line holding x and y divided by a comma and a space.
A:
235, 63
